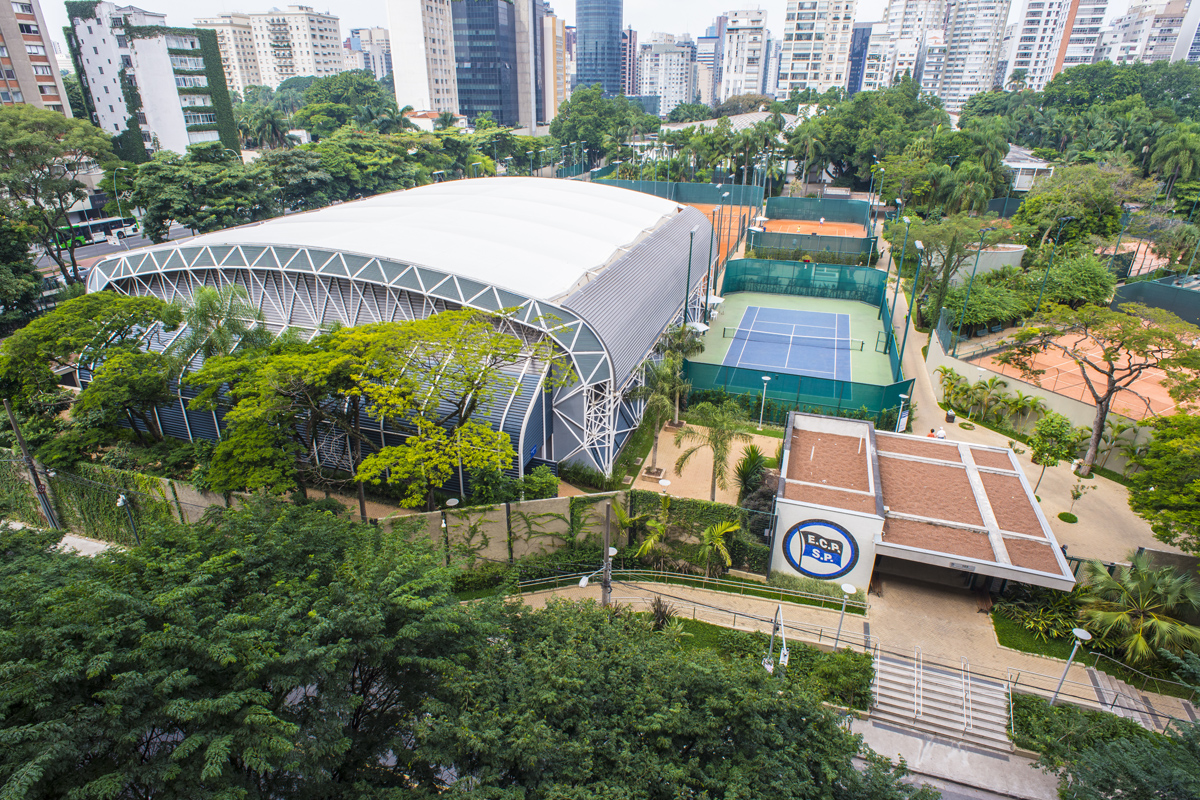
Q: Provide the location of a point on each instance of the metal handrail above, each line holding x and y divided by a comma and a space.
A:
1012, 721
718, 584
965, 674
1145, 677
918, 684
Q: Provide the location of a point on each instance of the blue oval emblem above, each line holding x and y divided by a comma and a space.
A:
820, 549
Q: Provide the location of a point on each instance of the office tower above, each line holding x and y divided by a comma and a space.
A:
239, 56
666, 70
816, 45
774, 53
157, 88
706, 52
743, 65
370, 48
556, 79
27, 70
974, 35
598, 45
860, 41
423, 62
485, 51
530, 14
1007, 46
629, 62
296, 42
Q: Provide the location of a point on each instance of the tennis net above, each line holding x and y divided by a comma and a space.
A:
767, 337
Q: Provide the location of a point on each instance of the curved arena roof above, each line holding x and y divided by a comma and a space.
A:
601, 270
538, 237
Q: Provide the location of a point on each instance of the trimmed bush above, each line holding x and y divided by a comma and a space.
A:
1067, 516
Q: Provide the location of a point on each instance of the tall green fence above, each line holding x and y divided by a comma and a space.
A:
798, 246
693, 192
1179, 295
799, 392
833, 209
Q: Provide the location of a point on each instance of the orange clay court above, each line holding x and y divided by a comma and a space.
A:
729, 230
815, 226
1063, 376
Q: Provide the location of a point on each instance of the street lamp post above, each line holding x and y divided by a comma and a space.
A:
1062, 224
123, 503
1126, 219
606, 569
687, 290
900, 265
1193, 261
708, 270
725, 225
120, 211
916, 284
530, 154
900, 416
847, 590
1080, 636
765, 379
983, 232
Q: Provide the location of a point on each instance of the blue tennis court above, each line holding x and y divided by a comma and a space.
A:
813, 343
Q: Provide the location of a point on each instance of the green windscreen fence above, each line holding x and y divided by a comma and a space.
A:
798, 246
799, 392
571, 170
832, 281
1180, 295
833, 209
693, 192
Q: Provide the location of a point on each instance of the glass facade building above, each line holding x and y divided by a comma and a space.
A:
598, 44
485, 55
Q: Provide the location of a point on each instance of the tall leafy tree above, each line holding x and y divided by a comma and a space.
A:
1112, 350
268, 652
1167, 489
20, 282
43, 156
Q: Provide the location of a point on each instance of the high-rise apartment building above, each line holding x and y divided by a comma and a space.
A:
27, 65
296, 42
908, 23
1187, 45
1084, 33
598, 44
860, 41
423, 62
667, 71
239, 55
151, 86
974, 36
1044, 27
556, 79
1007, 46
1148, 33
629, 62
816, 45
932, 68
373, 50
745, 54
875, 74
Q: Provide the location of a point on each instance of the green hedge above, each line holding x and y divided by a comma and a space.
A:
1061, 732
218, 89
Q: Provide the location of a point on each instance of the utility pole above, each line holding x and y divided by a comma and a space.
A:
606, 580
42, 496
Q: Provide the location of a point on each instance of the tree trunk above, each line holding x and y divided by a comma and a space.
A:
1085, 469
675, 421
712, 494
362, 490
133, 424
1039, 483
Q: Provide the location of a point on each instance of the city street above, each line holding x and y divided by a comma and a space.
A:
47, 266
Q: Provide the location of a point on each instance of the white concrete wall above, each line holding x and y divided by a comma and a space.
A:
991, 260
160, 97
862, 529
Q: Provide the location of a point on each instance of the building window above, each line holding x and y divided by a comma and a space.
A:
42, 69
47, 88
28, 28
35, 49
190, 81
13, 97
23, 8
199, 119
55, 107
187, 62
3, 51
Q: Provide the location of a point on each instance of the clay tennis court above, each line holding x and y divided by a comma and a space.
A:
729, 230
815, 226
1063, 376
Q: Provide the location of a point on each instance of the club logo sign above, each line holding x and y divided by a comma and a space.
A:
820, 549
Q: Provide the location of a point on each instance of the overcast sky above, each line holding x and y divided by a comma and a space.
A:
646, 16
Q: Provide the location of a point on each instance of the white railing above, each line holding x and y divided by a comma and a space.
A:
918, 684
968, 721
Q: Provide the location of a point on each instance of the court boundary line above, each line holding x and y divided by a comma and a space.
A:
741, 362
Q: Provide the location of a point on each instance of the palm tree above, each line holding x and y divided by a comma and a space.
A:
1115, 429
654, 544
1141, 606
270, 128
713, 545
445, 121
720, 426
990, 394
807, 142
656, 389
1177, 155
1018, 80
217, 321
678, 344
972, 189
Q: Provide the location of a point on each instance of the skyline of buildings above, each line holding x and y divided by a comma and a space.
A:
28, 72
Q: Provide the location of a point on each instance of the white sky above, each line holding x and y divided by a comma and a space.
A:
646, 16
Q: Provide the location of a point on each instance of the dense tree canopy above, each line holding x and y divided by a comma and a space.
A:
1166, 491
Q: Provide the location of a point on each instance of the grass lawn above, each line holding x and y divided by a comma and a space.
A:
639, 445
1011, 634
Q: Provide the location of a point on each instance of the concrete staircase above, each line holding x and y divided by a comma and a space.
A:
941, 701
1123, 700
